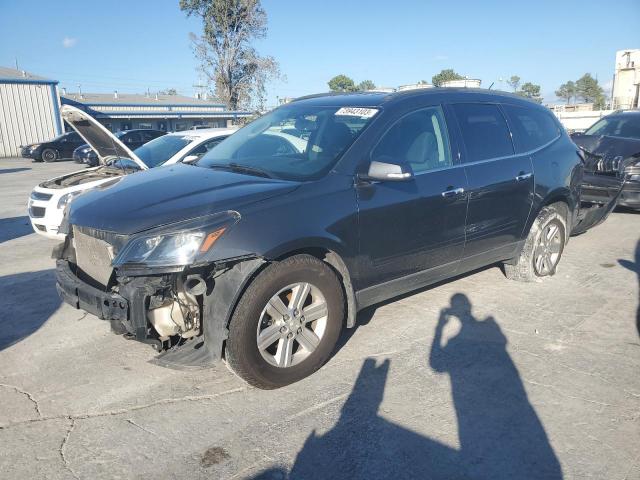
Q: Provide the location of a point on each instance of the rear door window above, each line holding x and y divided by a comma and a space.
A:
484, 131
532, 128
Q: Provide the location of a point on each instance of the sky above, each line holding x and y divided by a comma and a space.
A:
144, 44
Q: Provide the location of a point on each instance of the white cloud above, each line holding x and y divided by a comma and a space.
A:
68, 42
440, 57
606, 86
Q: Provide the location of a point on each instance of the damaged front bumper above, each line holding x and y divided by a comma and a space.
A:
81, 295
131, 302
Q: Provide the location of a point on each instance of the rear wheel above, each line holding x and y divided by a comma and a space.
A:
49, 155
543, 248
286, 323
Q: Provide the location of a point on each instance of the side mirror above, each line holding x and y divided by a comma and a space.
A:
388, 172
190, 158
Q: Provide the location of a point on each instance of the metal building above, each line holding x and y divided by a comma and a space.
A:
124, 111
29, 110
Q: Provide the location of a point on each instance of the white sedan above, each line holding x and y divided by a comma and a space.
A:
49, 199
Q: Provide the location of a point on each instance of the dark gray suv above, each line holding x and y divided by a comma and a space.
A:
265, 249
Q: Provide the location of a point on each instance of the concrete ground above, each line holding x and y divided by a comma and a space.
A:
527, 380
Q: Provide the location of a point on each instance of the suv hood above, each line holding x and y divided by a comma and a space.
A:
103, 142
165, 195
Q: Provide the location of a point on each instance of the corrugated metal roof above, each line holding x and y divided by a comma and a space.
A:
138, 99
7, 73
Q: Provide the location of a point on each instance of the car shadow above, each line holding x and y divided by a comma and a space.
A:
500, 434
634, 267
13, 170
14, 227
365, 315
621, 209
28, 300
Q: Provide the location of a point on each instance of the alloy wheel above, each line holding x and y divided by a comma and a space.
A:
292, 325
548, 249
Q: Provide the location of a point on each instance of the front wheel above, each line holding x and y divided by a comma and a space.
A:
543, 247
49, 155
286, 323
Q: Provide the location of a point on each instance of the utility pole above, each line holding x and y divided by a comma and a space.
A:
201, 87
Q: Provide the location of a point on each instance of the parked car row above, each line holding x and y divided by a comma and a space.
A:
262, 250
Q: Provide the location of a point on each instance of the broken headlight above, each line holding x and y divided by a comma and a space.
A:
177, 244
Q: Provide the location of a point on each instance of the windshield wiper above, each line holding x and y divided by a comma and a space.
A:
236, 167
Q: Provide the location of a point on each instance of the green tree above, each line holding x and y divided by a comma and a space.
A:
532, 91
444, 76
590, 91
600, 103
365, 85
514, 82
567, 91
342, 83
232, 65
168, 91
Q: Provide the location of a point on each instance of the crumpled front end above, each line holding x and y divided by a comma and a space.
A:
180, 310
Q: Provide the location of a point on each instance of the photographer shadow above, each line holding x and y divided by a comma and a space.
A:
500, 434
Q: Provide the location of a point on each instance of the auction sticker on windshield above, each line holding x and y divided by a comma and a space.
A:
357, 112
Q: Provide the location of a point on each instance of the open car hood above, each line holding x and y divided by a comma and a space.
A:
103, 142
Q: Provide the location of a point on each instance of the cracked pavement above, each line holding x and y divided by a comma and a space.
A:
547, 374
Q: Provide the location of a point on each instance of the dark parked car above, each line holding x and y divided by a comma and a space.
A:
131, 138
612, 154
60, 147
264, 249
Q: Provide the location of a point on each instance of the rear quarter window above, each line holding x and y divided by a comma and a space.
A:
532, 127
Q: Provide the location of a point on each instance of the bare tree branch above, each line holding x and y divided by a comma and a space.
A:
233, 68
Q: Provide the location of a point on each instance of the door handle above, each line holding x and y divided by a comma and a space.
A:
523, 176
453, 192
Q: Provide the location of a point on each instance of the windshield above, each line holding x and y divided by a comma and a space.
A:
161, 149
294, 142
620, 126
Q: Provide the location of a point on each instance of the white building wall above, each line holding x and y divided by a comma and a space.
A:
27, 115
580, 121
626, 80
465, 83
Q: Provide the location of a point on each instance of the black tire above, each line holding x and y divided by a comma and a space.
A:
241, 351
525, 268
49, 155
